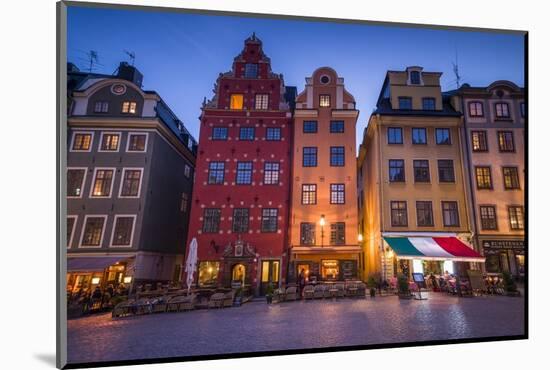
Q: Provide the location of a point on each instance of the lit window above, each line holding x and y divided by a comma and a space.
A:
501, 110
75, 182
122, 234
93, 231
324, 100
82, 142
262, 101
488, 217
102, 184
511, 178
337, 193
479, 141
129, 107
236, 101
309, 194
483, 177
475, 109
101, 107
515, 214
338, 233
208, 273
506, 141
137, 142
109, 142
131, 181
271, 173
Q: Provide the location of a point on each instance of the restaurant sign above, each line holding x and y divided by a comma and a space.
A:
504, 244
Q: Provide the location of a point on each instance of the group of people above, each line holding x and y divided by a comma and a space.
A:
96, 298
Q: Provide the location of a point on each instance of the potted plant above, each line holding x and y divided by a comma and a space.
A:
269, 293
371, 283
238, 296
403, 287
510, 285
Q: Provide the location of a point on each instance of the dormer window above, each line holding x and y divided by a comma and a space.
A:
405, 102
251, 70
415, 77
129, 107
501, 110
324, 101
101, 107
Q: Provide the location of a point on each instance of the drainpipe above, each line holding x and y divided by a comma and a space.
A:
381, 194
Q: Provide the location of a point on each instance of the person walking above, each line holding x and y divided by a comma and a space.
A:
302, 281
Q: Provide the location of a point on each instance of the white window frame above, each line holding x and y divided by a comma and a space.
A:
93, 182
130, 102
124, 169
137, 133
70, 241
260, 103
78, 150
187, 171
105, 217
83, 181
109, 133
132, 233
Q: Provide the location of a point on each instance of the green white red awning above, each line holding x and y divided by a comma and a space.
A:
433, 248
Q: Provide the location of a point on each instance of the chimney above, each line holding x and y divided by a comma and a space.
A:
129, 73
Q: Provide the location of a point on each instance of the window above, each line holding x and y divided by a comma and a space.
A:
271, 173
338, 233
307, 233
246, 133
511, 178
446, 170
324, 100
424, 213
309, 157
479, 141
421, 170
522, 109
336, 127
101, 107
244, 173
211, 220
109, 142
129, 107
75, 181
443, 136
208, 273
309, 194
398, 213
71, 221
262, 101
236, 101
395, 135
428, 103
184, 202
187, 171
405, 102
506, 141
103, 183
415, 77
310, 127
419, 136
337, 193
450, 213
82, 142
488, 217
515, 214
483, 177
475, 109
240, 220
131, 182
273, 134
137, 142
269, 220
250, 70
337, 156
122, 231
93, 231
397, 170
501, 110
219, 133
216, 171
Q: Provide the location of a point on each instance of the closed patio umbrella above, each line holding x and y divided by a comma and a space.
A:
191, 263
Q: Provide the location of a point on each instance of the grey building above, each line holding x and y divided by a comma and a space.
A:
130, 169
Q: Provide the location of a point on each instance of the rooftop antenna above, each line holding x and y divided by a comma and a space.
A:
93, 56
455, 70
132, 56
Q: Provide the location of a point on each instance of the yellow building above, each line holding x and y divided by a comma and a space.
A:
411, 182
323, 215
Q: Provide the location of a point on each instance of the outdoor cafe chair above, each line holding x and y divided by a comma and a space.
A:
228, 299
309, 291
216, 300
361, 289
351, 289
290, 293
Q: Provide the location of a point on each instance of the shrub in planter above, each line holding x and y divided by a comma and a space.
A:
269, 293
371, 283
403, 286
238, 297
509, 284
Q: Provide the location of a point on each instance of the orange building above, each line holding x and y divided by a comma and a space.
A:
323, 216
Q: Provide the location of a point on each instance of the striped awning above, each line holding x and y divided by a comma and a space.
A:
433, 248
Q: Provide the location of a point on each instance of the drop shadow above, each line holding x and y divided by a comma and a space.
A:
47, 358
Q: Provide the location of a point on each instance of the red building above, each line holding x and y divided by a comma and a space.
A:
240, 198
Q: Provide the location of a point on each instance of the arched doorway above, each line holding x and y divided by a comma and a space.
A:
238, 273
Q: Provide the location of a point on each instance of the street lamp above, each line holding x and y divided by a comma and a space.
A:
360, 238
322, 223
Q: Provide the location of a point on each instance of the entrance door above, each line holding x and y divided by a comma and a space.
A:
270, 275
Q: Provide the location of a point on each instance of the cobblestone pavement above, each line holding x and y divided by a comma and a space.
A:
292, 325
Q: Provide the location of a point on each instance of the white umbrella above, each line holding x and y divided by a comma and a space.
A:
191, 263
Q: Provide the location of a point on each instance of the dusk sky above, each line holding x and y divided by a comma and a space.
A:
181, 55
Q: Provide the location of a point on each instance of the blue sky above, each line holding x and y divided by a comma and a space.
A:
181, 55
